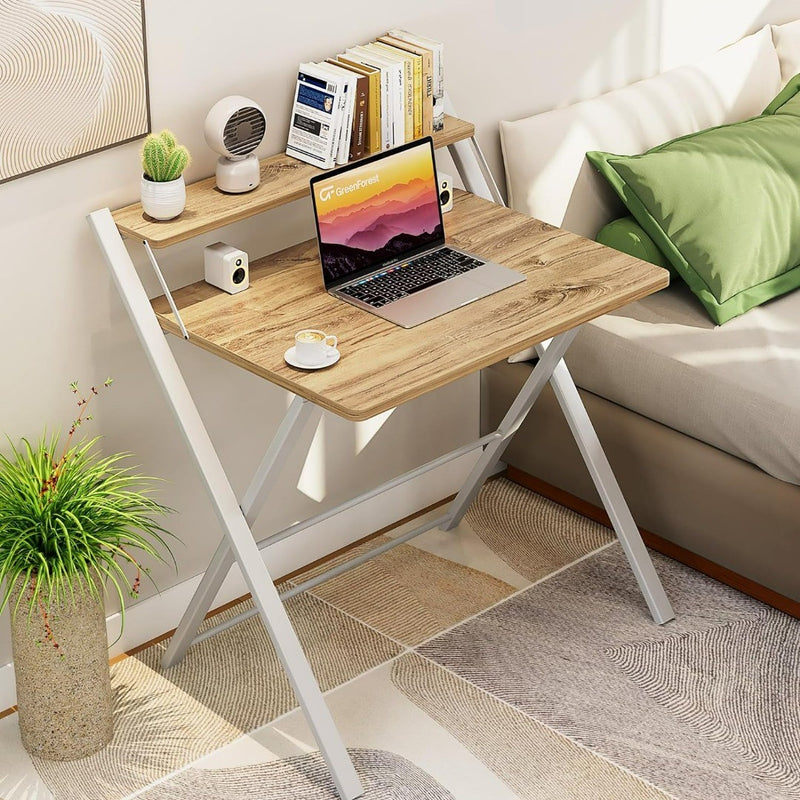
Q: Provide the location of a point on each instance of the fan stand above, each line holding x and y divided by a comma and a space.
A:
235, 176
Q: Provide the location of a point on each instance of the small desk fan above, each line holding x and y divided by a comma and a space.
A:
234, 128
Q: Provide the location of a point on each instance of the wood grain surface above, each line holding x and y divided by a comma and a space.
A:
283, 179
570, 280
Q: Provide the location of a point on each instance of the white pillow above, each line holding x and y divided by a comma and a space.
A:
547, 174
787, 44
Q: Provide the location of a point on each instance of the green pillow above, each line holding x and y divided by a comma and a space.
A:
723, 205
627, 235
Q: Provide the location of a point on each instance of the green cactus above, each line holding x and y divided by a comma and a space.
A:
163, 159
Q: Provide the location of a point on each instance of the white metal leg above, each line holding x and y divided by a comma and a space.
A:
200, 604
471, 165
607, 487
296, 417
514, 417
230, 515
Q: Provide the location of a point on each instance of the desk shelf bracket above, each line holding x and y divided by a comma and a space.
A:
165, 288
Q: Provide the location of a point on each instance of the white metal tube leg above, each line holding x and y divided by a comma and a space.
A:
607, 487
244, 547
293, 422
199, 605
514, 417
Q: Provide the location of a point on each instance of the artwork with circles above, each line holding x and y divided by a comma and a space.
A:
73, 80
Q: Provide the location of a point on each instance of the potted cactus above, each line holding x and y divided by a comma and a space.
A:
163, 162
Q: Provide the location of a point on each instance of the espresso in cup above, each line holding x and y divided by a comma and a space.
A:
314, 347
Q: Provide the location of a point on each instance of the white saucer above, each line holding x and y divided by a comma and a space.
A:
333, 356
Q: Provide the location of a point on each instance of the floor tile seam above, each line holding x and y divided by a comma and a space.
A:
518, 592
559, 734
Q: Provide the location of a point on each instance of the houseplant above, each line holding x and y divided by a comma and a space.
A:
163, 163
69, 520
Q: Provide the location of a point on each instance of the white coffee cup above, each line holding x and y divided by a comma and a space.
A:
314, 347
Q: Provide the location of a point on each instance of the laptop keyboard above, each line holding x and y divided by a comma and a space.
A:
411, 276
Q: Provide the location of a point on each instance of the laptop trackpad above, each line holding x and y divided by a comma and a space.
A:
434, 301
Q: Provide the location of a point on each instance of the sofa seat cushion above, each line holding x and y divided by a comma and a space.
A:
736, 386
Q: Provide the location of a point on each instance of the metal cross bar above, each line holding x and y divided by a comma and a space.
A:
339, 569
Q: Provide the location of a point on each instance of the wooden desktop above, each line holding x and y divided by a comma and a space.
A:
569, 280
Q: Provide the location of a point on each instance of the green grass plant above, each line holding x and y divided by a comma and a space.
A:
73, 521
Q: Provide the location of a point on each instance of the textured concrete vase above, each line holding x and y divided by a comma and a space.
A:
63, 694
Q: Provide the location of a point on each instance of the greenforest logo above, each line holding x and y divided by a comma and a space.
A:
327, 191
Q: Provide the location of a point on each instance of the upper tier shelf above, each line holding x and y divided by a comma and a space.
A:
283, 179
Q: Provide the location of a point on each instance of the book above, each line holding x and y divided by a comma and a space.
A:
413, 87
316, 114
348, 108
385, 106
373, 75
437, 49
359, 144
426, 88
394, 111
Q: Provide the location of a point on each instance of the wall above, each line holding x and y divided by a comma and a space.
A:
61, 318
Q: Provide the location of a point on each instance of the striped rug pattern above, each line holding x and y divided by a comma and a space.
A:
535, 761
558, 641
225, 686
384, 776
535, 538
752, 706
408, 594
157, 730
238, 676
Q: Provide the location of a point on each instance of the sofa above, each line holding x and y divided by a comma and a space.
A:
700, 420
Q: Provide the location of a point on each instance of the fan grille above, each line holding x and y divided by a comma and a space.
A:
244, 131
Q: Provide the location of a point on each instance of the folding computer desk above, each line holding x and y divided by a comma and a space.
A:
570, 280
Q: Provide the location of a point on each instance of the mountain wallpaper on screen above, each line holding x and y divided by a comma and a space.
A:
402, 218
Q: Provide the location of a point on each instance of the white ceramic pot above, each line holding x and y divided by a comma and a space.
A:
163, 199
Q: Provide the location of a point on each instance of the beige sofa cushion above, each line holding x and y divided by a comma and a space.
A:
787, 45
544, 155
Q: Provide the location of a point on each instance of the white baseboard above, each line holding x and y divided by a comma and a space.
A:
154, 616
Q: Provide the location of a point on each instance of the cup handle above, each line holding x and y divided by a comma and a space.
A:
333, 343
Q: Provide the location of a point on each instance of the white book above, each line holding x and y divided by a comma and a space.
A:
349, 100
408, 83
316, 117
395, 73
437, 48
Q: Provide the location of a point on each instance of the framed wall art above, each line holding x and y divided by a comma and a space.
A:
73, 80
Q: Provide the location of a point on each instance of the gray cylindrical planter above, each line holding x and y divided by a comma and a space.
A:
63, 695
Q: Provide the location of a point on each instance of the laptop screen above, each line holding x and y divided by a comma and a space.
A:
377, 210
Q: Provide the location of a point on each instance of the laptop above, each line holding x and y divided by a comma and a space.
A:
381, 239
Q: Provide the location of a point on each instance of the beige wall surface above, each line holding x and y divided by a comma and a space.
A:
62, 320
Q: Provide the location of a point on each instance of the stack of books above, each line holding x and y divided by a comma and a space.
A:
371, 97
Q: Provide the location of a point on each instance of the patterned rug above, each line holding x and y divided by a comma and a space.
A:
511, 658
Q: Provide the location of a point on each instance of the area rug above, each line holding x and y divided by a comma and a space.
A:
512, 659
384, 776
705, 706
